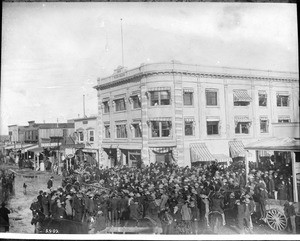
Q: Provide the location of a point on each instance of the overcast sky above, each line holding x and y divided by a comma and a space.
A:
52, 53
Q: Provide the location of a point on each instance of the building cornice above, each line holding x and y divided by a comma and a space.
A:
196, 71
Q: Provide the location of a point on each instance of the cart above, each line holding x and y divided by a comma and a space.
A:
275, 216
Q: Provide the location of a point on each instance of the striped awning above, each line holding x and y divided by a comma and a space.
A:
236, 149
159, 88
200, 153
160, 119
188, 90
242, 118
284, 117
241, 95
264, 118
222, 158
189, 119
262, 92
162, 150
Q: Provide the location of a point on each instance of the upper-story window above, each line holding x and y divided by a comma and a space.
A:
241, 98
211, 97
283, 99
136, 127
91, 135
161, 128
262, 98
161, 97
105, 107
189, 126
121, 131
264, 125
107, 131
120, 104
81, 136
188, 97
212, 127
136, 102
284, 119
242, 124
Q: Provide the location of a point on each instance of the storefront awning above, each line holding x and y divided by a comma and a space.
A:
241, 95
236, 149
37, 149
162, 150
29, 148
276, 144
222, 158
90, 150
9, 147
200, 153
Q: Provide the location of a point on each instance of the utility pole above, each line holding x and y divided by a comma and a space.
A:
83, 106
122, 43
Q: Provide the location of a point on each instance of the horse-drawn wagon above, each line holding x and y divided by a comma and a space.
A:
275, 215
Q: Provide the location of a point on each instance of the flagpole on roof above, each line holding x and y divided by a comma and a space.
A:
122, 43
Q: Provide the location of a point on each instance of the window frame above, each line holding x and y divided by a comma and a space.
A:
134, 125
240, 124
284, 120
106, 107
190, 123
159, 98
161, 129
133, 98
281, 100
93, 136
117, 101
259, 99
107, 131
266, 123
80, 134
191, 93
124, 131
217, 122
216, 91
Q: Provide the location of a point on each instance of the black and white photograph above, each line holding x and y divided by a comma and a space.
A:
149, 119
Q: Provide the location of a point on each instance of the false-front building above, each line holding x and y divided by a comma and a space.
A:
189, 113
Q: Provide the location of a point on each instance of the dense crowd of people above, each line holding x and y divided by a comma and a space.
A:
180, 200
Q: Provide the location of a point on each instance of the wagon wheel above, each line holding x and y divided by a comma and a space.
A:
276, 220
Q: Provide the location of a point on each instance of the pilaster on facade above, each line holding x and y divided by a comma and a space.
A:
144, 118
251, 115
179, 125
227, 120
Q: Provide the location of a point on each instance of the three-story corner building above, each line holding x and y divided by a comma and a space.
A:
189, 113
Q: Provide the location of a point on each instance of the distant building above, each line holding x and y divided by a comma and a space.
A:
189, 113
86, 130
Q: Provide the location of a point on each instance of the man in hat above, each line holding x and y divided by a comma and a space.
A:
262, 200
45, 204
4, 219
50, 183
68, 207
